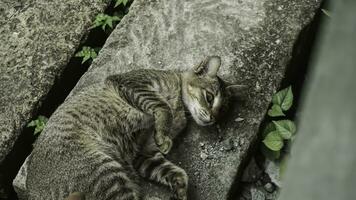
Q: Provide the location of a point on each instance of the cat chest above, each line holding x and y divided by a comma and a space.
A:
179, 122
179, 116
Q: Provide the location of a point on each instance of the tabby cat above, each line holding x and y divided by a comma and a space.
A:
104, 137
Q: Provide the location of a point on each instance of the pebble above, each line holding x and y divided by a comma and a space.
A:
229, 144
273, 171
241, 142
257, 194
269, 187
203, 155
218, 127
236, 144
258, 87
239, 119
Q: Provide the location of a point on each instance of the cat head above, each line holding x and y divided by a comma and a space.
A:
204, 92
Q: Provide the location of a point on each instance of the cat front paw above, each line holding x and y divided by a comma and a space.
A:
180, 186
165, 145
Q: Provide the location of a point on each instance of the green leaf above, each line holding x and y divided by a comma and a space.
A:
43, 119
275, 111
326, 12
269, 128
31, 124
87, 53
285, 128
85, 58
79, 54
125, 2
118, 2
94, 26
273, 141
98, 20
103, 27
37, 130
93, 54
104, 20
284, 98
38, 123
116, 18
109, 22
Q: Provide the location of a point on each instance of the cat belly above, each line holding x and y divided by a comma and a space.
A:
93, 173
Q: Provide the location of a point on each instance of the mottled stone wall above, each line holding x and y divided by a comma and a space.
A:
38, 37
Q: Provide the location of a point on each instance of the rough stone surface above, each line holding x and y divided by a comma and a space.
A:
38, 37
273, 170
252, 172
20, 180
257, 194
322, 164
254, 39
256, 184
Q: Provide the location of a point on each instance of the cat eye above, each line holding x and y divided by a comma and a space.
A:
209, 97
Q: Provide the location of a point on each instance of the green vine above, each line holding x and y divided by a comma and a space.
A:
277, 132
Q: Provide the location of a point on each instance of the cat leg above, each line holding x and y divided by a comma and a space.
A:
112, 182
154, 166
163, 123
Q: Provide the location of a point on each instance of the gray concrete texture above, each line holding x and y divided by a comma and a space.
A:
38, 37
323, 160
255, 39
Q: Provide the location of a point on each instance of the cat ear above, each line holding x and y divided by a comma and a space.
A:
209, 66
235, 90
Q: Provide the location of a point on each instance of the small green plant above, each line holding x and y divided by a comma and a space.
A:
104, 20
38, 123
86, 53
119, 2
281, 101
278, 131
